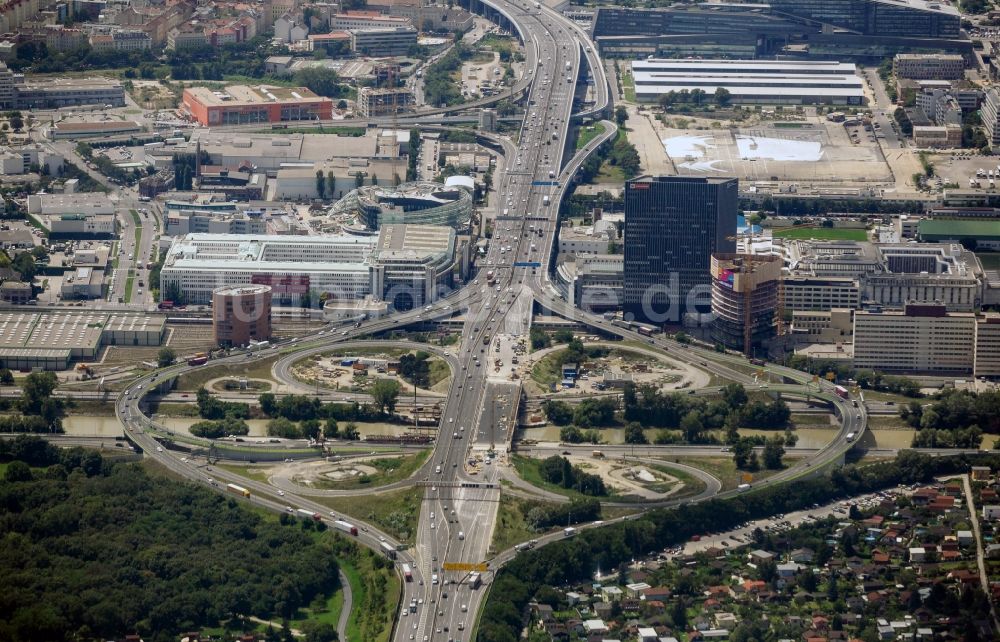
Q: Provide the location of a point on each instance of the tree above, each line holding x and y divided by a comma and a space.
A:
773, 452
692, 426
6, 377
165, 357
741, 453
37, 387
16, 123
330, 429
320, 183
384, 393
17, 471
735, 395
621, 115
320, 81
350, 432
558, 412
634, 434
268, 403
24, 263
39, 253
722, 96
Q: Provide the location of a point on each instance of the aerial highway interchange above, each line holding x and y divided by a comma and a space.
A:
458, 512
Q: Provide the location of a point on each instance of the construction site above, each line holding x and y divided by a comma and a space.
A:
746, 299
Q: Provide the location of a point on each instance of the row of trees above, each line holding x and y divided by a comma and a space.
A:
210, 407
301, 407
578, 558
311, 429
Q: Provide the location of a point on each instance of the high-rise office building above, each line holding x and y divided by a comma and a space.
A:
673, 225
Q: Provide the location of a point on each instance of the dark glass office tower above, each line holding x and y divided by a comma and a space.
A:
673, 224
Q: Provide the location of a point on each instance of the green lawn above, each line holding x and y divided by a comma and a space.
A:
610, 174
391, 470
197, 378
529, 470
825, 233
724, 469
250, 472
588, 134
548, 369
394, 512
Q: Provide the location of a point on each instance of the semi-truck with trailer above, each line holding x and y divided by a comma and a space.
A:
239, 490
388, 550
841, 392
305, 513
346, 527
407, 573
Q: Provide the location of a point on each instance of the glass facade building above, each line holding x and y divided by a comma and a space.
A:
673, 225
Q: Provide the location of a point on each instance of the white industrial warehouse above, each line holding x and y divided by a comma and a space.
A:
770, 82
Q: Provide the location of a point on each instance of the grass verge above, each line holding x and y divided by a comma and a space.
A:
588, 134
390, 470
198, 378
394, 512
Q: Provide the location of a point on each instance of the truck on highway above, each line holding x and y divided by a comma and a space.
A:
743, 488
850, 436
346, 527
490, 276
239, 490
305, 513
388, 550
199, 359
545, 200
474, 580
841, 392
569, 65
569, 532
597, 454
407, 573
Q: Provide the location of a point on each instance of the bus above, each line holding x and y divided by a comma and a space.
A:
407, 573
841, 392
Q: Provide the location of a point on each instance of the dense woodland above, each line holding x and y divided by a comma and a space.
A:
577, 559
93, 549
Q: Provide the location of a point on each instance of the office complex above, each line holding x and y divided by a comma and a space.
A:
388, 41
845, 29
849, 274
744, 299
673, 225
929, 66
29, 92
922, 338
405, 262
420, 202
241, 104
752, 81
241, 314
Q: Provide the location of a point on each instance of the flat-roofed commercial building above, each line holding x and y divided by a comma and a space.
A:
301, 270
752, 81
241, 104
53, 93
986, 234
294, 266
814, 293
850, 274
988, 345
51, 340
67, 130
386, 41
920, 339
926, 66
